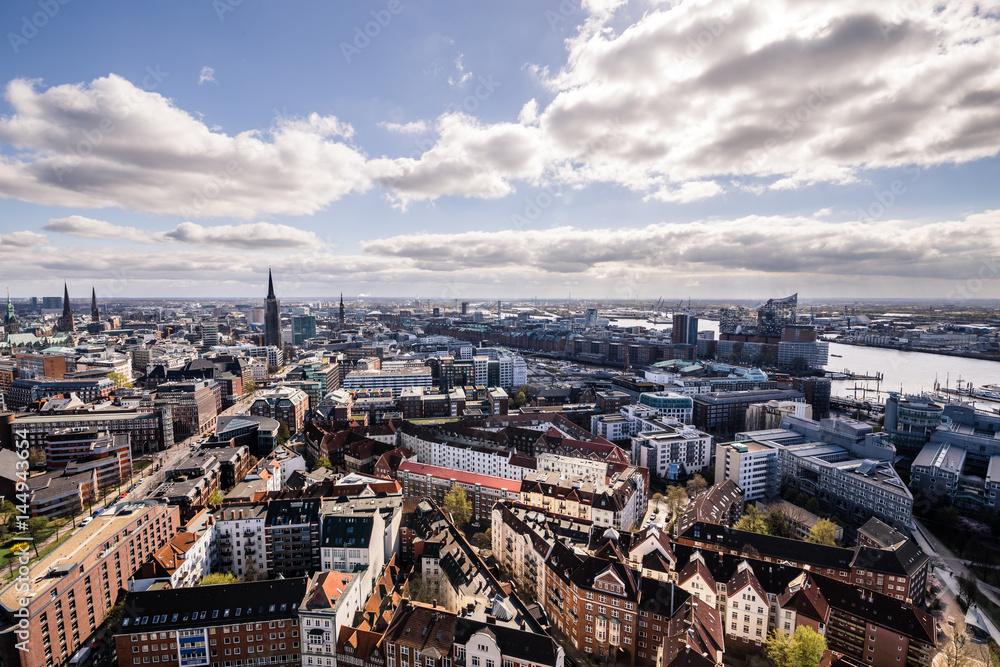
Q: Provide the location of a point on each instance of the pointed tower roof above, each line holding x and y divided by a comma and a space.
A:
270, 285
95, 313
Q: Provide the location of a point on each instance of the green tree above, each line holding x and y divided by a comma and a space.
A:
119, 379
219, 578
676, 499
249, 388
696, 485
283, 433
216, 498
812, 505
457, 505
824, 532
37, 528
799, 364
779, 523
322, 462
805, 648
754, 520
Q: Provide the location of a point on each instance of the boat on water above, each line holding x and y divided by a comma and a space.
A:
836, 355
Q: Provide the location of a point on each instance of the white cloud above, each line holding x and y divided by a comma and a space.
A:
414, 127
78, 225
109, 143
691, 94
207, 75
463, 76
823, 212
248, 236
740, 258
253, 236
22, 239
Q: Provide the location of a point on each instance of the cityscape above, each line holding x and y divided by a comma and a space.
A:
544, 333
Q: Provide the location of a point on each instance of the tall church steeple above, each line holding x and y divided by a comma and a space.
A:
272, 315
10, 323
95, 313
66, 324
341, 316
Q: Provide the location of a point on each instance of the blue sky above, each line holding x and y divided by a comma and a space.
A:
605, 148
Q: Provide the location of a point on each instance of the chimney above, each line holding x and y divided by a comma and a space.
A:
434, 603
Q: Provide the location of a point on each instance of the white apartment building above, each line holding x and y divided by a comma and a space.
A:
507, 464
272, 354
239, 532
330, 602
672, 450
752, 465
352, 542
395, 379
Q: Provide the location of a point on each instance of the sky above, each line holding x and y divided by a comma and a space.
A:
444, 150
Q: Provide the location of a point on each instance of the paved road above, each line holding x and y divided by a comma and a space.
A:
946, 566
172, 455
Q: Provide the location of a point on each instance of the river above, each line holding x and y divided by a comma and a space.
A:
912, 372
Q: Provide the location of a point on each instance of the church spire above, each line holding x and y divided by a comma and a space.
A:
95, 313
67, 324
270, 285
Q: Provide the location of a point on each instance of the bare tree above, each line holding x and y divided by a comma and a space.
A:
960, 651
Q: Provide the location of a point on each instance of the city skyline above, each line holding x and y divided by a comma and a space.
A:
609, 150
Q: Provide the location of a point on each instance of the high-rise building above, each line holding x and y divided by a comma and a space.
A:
303, 326
272, 316
66, 323
685, 329
95, 313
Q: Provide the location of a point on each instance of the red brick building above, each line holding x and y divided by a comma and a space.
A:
71, 590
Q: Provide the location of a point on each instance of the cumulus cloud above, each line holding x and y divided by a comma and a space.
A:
78, 225
756, 244
689, 95
739, 258
109, 143
254, 236
248, 236
207, 75
22, 239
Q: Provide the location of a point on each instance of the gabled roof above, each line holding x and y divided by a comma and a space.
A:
743, 579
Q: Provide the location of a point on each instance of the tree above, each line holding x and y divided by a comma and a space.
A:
249, 388
216, 498
676, 499
482, 540
119, 379
426, 588
251, 573
823, 532
804, 648
218, 578
457, 505
754, 520
322, 462
696, 485
960, 651
36, 528
283, 434
779, 523
799, 364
